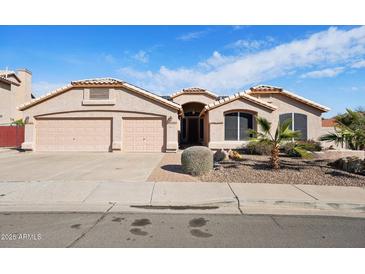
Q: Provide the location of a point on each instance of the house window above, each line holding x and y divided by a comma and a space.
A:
299, 122
237, 126
99, 94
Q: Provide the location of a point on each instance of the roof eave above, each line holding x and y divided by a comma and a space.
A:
83, 85
234, 97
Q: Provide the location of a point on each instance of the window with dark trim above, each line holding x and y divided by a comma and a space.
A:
99, 94
237, 126
299, 122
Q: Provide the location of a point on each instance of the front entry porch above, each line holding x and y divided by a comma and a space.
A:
191, 125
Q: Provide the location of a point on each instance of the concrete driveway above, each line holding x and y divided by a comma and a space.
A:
77, 166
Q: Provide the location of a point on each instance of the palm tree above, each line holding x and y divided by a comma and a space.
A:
282, 133
349, 130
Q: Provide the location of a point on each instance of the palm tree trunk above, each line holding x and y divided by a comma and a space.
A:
275, 160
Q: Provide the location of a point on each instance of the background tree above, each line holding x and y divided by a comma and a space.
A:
349, 130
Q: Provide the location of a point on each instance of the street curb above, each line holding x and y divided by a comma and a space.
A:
268, 207
302, 208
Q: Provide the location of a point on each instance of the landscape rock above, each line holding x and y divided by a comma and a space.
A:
220, 155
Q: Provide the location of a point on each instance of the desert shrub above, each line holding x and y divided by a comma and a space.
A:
197, 160
220, 155
259, 148
291, 148
310, 145
235, 155
350, 164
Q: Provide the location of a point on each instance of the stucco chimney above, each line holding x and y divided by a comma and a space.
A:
25, 89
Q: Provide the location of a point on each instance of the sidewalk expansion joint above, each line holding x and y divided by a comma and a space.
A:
276, 222
153, 189
236, 197
88, 230
305, 192
91, 192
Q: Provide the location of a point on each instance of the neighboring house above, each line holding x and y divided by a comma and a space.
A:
15, 89
107, 114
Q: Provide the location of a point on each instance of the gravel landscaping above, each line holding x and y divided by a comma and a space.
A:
255, 169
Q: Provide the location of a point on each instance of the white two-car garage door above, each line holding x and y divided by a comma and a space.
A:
73, 134
143, 135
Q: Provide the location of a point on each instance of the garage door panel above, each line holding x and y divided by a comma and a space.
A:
143, 135
73, 135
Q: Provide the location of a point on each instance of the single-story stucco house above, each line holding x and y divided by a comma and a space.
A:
107, 114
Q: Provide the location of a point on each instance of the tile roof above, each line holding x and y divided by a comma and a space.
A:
6, 72
194, 90
266, 88
5, 79
328, 122
271, 89
243, 95
97, 82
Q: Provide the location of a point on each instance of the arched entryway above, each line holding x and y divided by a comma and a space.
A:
192, 125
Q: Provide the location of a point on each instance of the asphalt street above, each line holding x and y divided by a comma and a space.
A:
177, 230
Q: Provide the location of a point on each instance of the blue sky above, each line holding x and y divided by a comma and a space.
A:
323, 63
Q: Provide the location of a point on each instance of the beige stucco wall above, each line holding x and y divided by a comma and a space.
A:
287, 105
123, 103
7, 102
11, 96
199, 98
216, 122
23, 93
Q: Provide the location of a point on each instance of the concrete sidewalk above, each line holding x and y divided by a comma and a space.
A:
186, 197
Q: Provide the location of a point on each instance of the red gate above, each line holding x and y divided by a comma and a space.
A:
11, 136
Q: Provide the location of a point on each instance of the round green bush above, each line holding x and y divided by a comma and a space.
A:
197, 160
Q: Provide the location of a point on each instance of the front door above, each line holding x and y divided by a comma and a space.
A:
193, 131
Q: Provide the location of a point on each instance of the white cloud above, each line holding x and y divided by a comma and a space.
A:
215, 61
42, 87
192, 35
250, 44
324, 73
331, 48
359, 64
141, 56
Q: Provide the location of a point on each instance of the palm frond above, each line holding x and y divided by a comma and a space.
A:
302, 152
290, 134
264, 124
